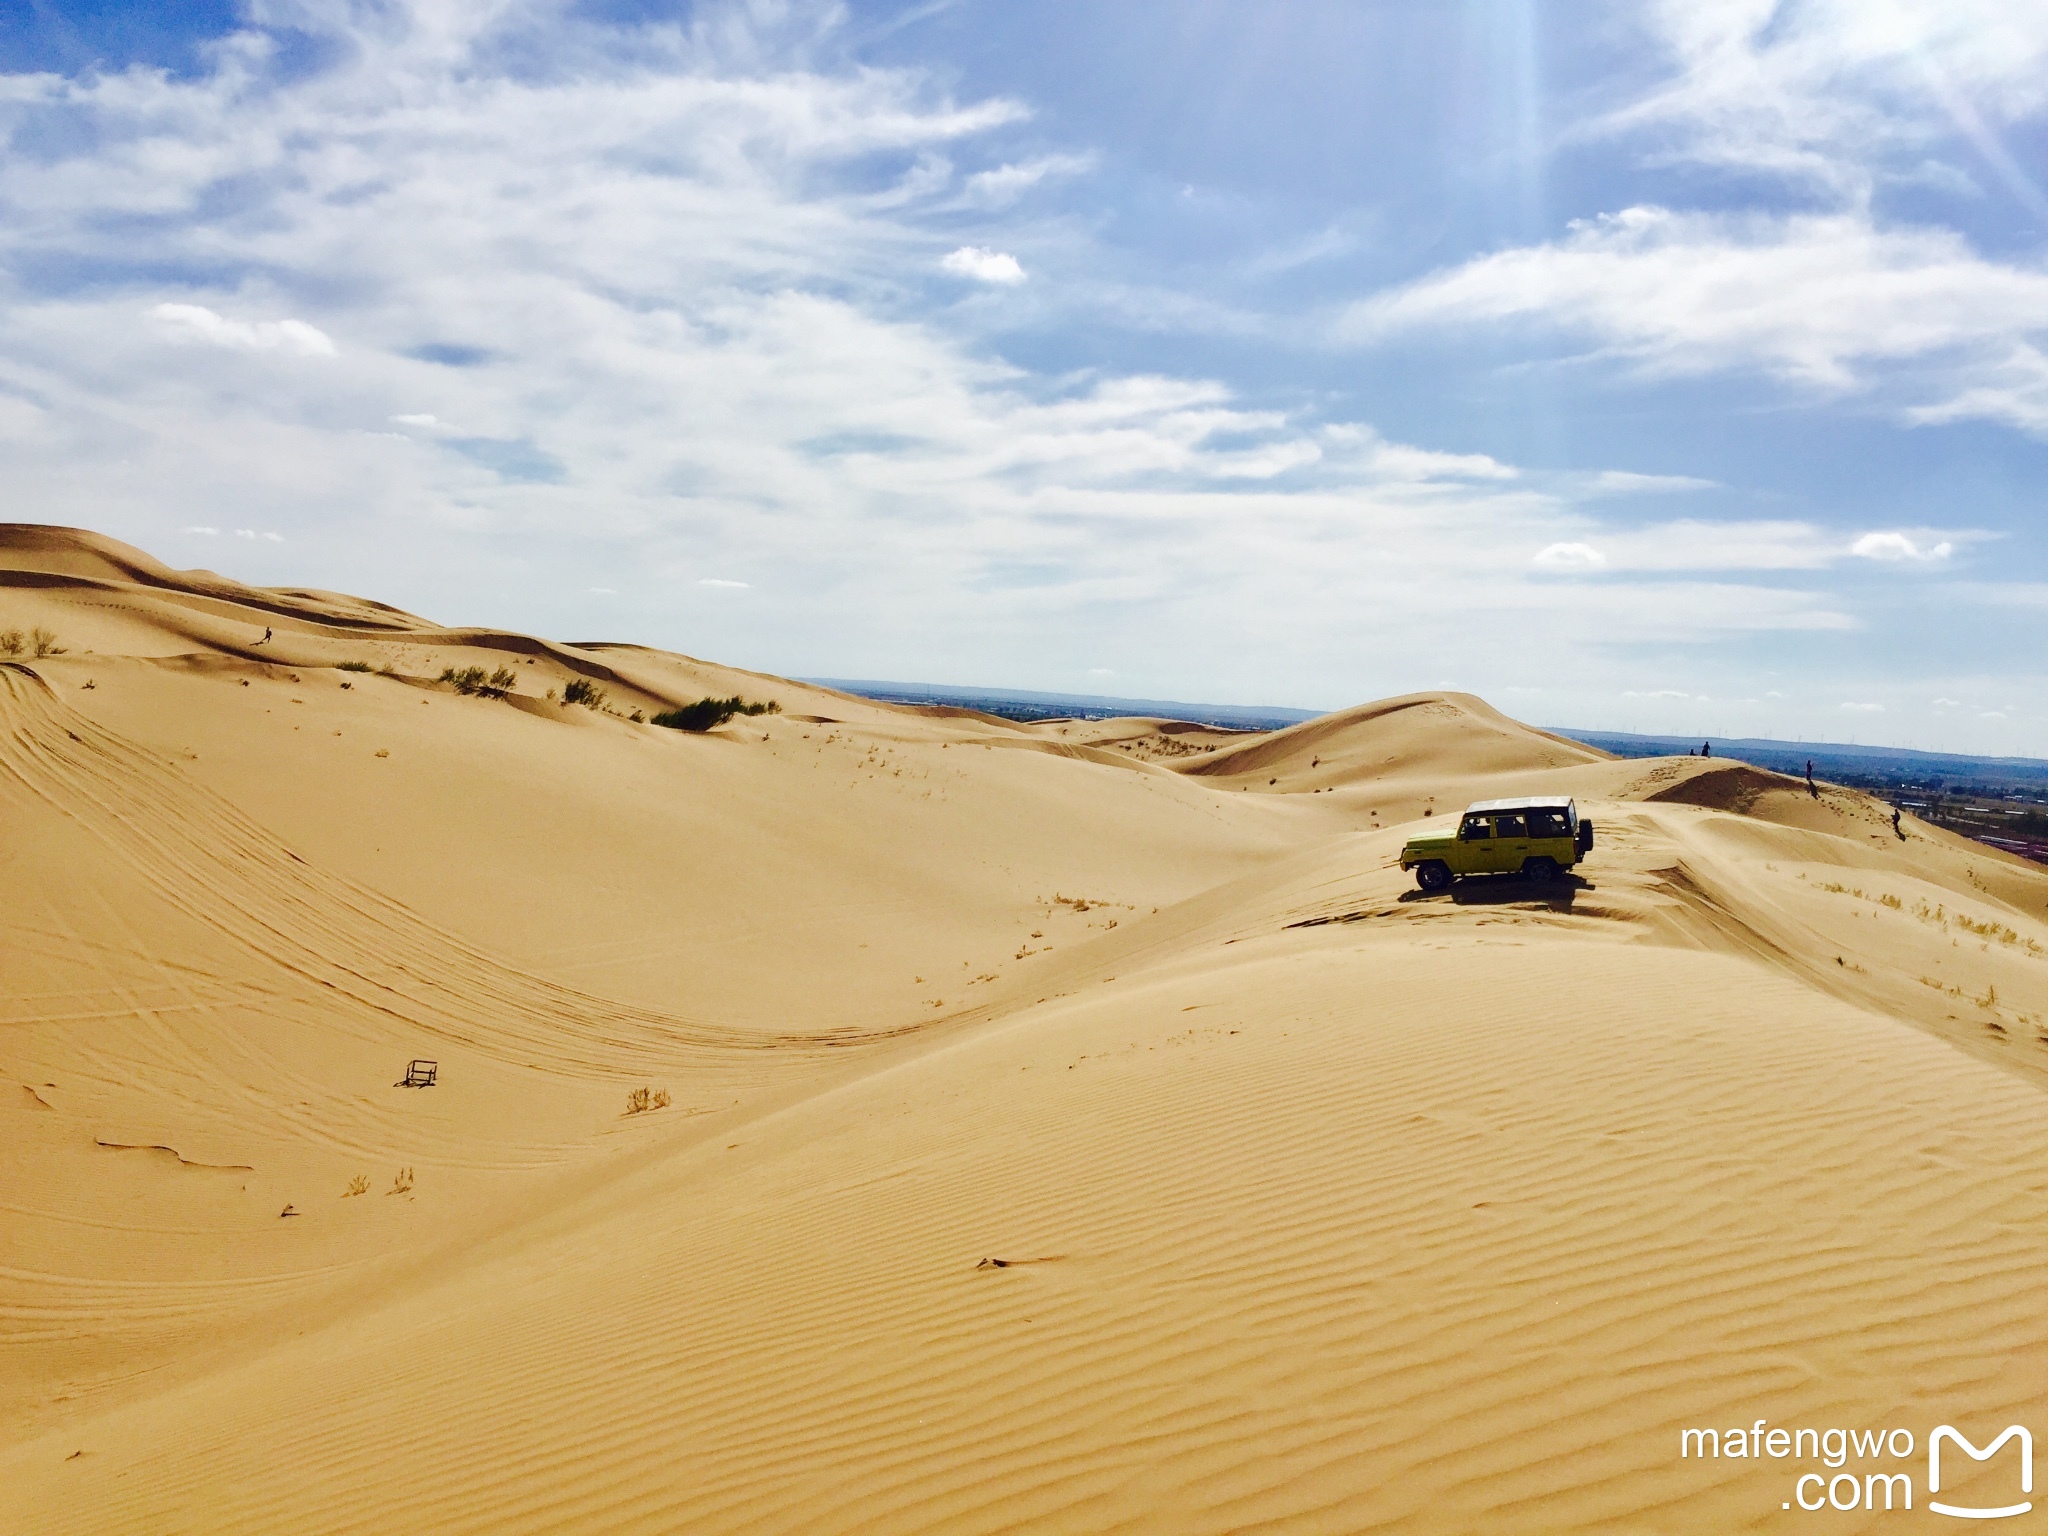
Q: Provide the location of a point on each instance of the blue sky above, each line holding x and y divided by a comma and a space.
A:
1659, 366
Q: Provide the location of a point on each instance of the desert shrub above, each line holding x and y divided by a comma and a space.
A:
707, 714
640, 1100
402, 1184
10, 642
359, 1185
353, 666
581, 690
494, 685
43, 643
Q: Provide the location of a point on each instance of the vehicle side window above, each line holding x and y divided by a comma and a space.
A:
1549, 824
1510, 826
1475, 830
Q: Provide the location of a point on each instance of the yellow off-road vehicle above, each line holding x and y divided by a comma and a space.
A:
1536, 837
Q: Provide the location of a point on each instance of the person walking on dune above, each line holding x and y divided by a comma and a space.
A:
1706, 749
1896, 830
1812, 788
266, 636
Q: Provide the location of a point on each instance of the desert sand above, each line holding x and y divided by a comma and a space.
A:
1076, 1126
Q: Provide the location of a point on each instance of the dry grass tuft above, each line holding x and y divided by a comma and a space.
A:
641, 1100
359, 1185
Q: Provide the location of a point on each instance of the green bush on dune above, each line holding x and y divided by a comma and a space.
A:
707, 714
473, 680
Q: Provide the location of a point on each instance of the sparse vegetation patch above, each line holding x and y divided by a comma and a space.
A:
581, 690
708, 714
641, 1100
37, 642
473, 680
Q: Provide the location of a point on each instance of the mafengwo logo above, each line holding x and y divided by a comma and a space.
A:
1969, 1512
1890, 1487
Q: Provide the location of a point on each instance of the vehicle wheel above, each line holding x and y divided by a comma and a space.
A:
1433, 876
1539, 871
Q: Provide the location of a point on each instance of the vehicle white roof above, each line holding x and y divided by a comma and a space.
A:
1522, 803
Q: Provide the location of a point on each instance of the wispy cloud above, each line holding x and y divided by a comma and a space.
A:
1894, 548
1004, 184
195, 322
1839, 94
1819, 300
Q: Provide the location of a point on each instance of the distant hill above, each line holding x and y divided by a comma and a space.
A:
1022, 704
1845, 762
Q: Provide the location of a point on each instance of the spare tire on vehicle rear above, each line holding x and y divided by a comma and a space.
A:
1585, 835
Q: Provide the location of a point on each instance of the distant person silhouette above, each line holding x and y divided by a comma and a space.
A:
1706, 749
1812, 788
1895, 824
266, 637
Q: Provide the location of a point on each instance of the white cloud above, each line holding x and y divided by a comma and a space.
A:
2012, 389
984, 265
1894, 547
1840, 93
603, 591
197, 323
1864, 709
1569, 557
1948, 703
1689, 544
1351, 444
1006, 183
1817, 299
416, 419
212, 533
1621, 482
714, 581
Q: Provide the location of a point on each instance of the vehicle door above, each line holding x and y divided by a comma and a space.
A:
1474, 853
1551, 831
1510, 842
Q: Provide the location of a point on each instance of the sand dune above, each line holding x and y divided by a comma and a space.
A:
1076, 1126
